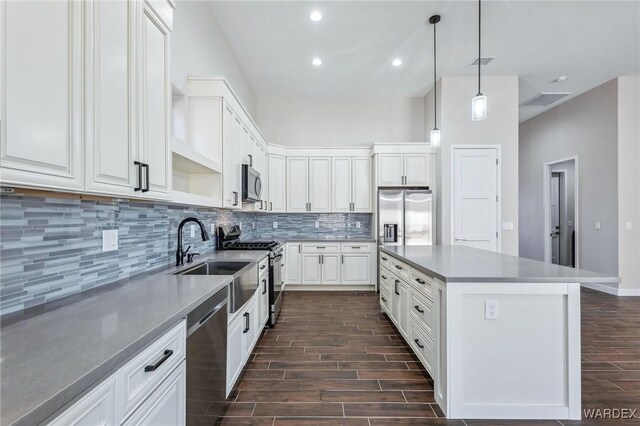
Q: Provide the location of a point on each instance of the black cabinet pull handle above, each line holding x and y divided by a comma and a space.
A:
418, 309
421, 281
418, 343
384, 299
384, 277
246, 322
139, 165
165, 356
146, 173
398, 266
264, 282
235, 198
262, 267
251, 160
383, 258
395, 290
270, 206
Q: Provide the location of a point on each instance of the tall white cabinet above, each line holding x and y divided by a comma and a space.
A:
277, 183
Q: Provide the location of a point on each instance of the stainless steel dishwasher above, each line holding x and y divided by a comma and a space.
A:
207, 360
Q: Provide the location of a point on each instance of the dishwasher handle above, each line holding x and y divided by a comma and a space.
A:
199, 316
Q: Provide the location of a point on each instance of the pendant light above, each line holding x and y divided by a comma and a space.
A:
479, 102
435, 133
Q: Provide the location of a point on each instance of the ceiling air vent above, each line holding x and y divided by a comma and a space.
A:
543, 99
483, 62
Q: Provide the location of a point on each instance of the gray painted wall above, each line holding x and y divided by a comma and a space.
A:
52, 247
585, 126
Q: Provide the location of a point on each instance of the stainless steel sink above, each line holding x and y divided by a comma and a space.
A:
245, 278
215, 267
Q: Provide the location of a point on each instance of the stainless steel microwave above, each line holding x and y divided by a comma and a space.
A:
251, 184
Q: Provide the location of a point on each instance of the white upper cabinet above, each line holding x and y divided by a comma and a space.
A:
390, 170
342, 197
232, 159
417, 170
404, 170
42, 88
111, 145
351, 184
102, 125
320, 184
297, 184
277, 183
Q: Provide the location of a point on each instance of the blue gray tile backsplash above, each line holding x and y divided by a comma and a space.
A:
52, 247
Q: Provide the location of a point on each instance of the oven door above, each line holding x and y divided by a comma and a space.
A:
276, 287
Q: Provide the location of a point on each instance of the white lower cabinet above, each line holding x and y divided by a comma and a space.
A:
263, 290
235, 360
97, 408
329, 263
167, 404
148, 390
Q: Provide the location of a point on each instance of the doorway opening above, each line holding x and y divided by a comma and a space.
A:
561, 212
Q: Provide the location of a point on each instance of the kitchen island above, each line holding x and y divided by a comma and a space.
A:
499, 334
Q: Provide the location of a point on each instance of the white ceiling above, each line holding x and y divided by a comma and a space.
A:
590, 42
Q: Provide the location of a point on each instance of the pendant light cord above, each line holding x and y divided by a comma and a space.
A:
435, 86
479, 44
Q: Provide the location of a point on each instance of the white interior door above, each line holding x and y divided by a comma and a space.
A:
475, 197
554, 204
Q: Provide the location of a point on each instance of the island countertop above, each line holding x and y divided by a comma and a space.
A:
54, 353
466, 264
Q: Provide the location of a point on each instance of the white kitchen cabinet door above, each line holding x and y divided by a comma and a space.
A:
41, 141
390, 169
264, 300
235, 359
97, 408
111, 145
330, 269
249, 332
320, 184
293, 265
417, 170
403, 309
341, 183
297, 184
277, 183
167, 404
356, 268
232, 160
155, 104
311, 269
264, 176
395, 300
361, 185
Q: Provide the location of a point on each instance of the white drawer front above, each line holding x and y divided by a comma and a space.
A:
423, 283
98, 407
384, 260
400, 269
135, 384
422, 311
263, 266
386, 280
356, 248
321, 248
422, 345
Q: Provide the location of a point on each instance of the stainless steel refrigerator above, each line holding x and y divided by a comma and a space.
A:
405, 216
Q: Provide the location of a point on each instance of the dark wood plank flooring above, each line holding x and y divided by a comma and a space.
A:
335, 359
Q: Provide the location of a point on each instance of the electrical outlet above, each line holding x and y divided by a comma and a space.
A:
570, 223
110, 240
254, 225
317, 224
629, 226
275, 225
192, 231
490, 309
598, 226
357, 224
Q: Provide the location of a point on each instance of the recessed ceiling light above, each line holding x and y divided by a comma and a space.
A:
396, 62
560, 79
317, 62
315, 16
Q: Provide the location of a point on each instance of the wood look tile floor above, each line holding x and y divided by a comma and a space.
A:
335, 359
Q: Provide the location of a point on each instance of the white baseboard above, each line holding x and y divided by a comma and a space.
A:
612, 290
326, 287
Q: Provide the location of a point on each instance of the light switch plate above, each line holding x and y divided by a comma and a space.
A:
507, 226
598, 225
109, 240
629, 226
570, 223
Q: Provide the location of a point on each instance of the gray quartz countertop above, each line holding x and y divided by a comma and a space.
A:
330, 239
54, 353
466, 264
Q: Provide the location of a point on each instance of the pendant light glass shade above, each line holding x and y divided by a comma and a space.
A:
479, 107
435, 137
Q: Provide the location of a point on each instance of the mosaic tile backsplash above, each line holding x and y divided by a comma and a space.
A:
52, 247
